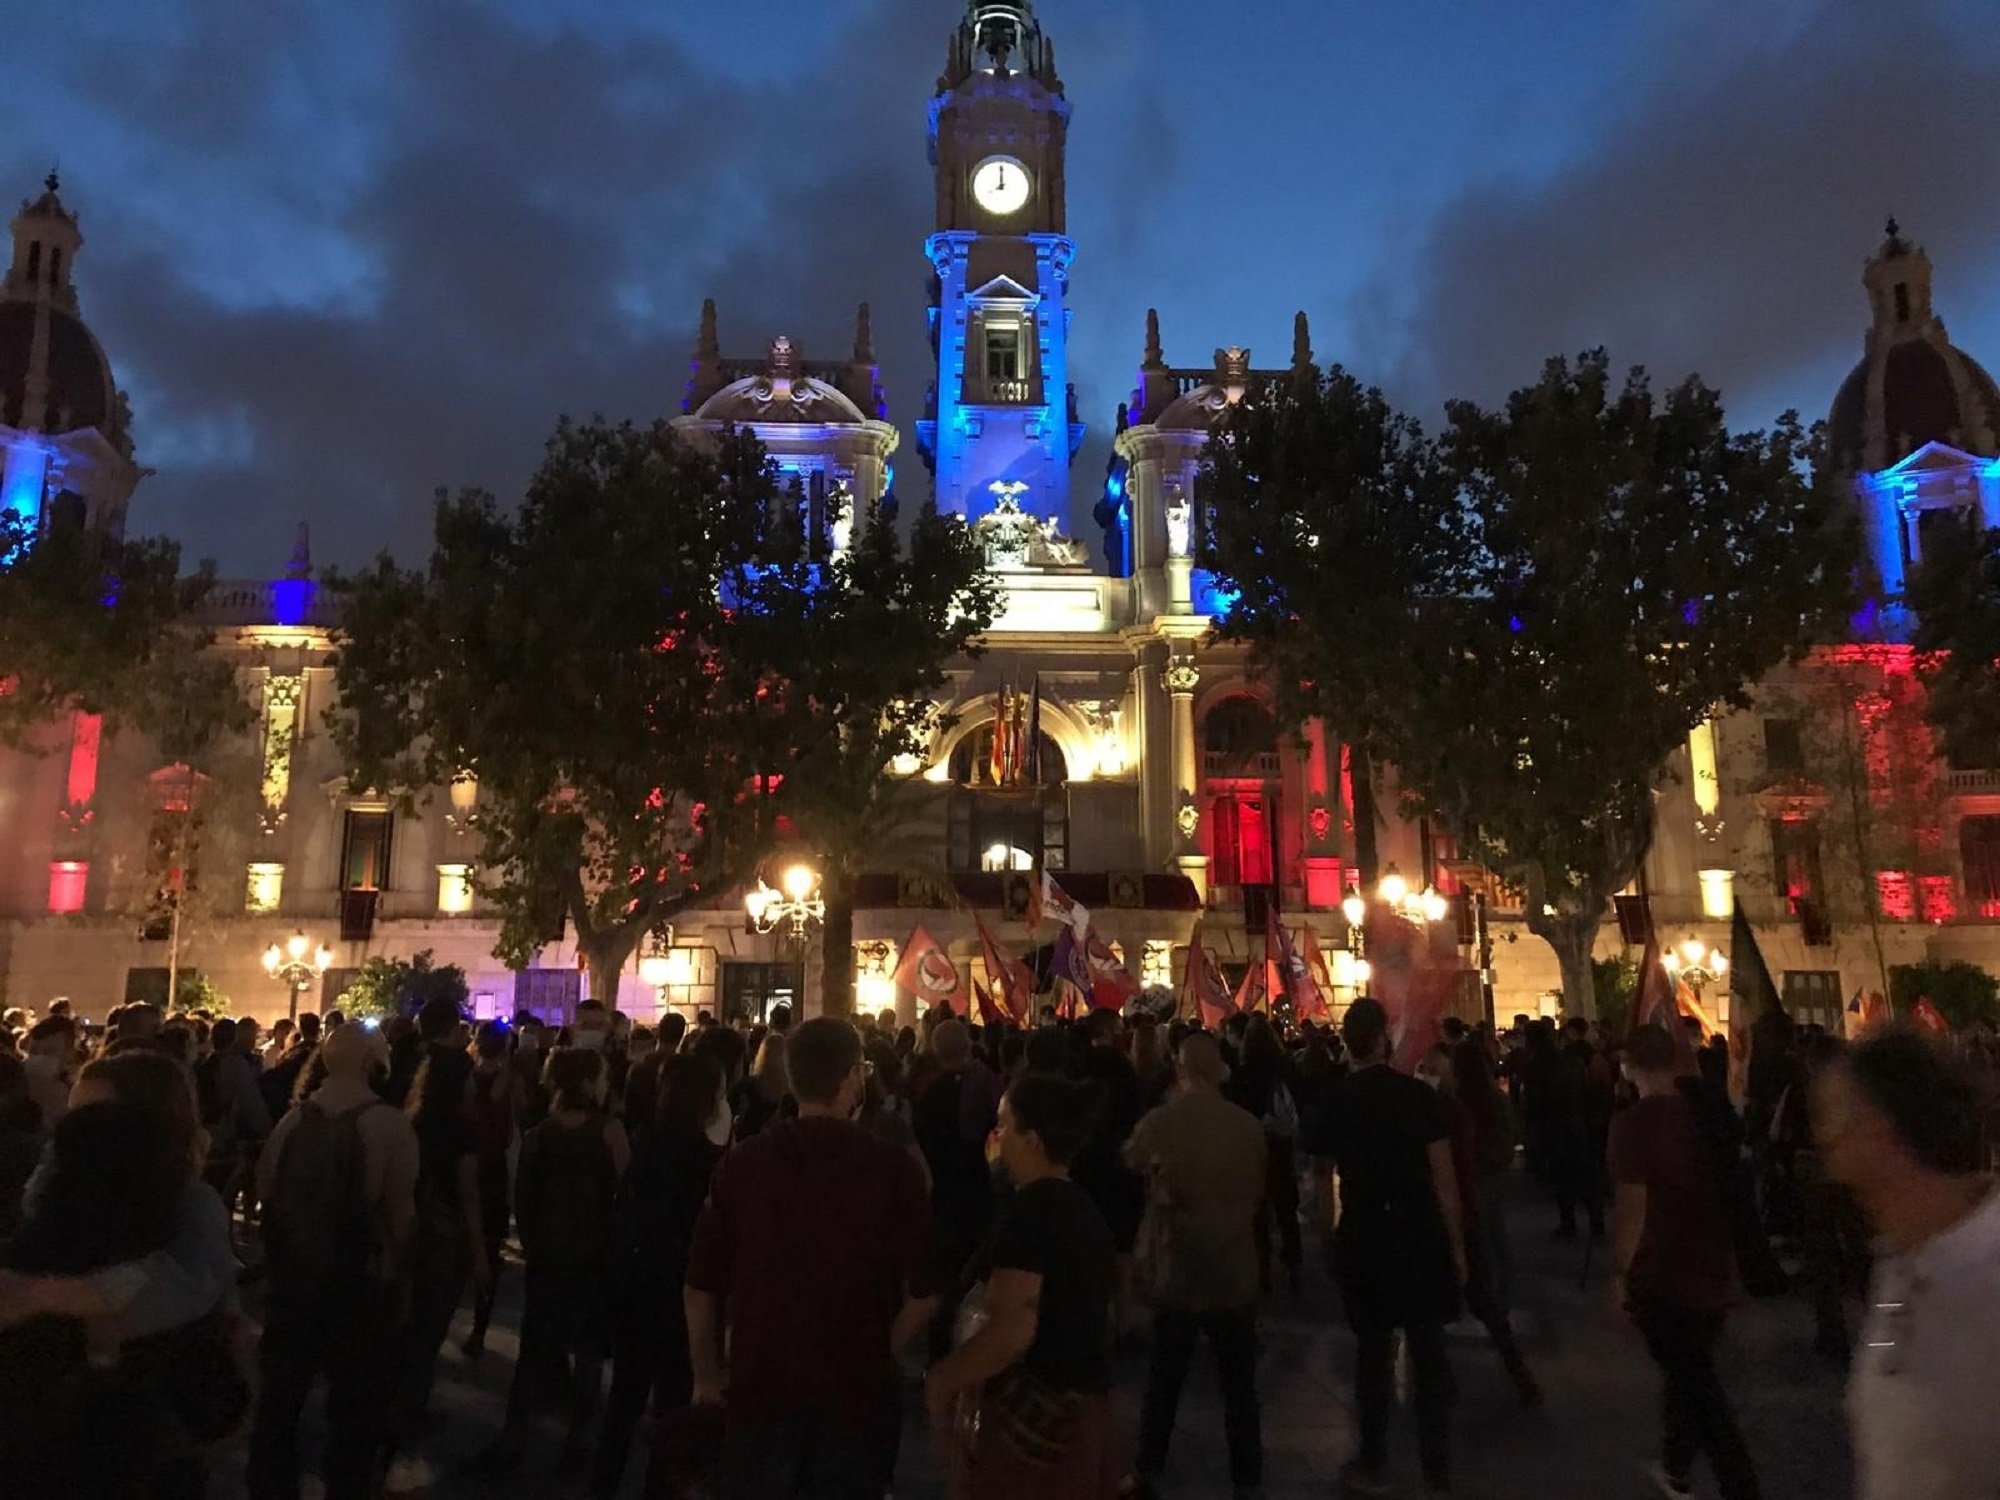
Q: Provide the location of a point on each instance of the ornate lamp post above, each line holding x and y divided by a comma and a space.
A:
1695, 964
287, 963
1420, 908
796, 905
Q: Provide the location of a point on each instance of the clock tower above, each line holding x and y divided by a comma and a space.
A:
1001, 425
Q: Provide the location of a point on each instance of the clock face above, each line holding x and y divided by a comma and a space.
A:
1001, 185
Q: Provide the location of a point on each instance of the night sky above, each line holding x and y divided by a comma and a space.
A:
343, 253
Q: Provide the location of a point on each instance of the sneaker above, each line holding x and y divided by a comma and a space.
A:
1668, 1483
1358, 1478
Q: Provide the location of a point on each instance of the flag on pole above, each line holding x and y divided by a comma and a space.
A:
1069, 966
1316, 963
1031, 739
1927, 1017
987, 1011
1308, 999
1415, 988
996, 758
1011, 979
1112, 986
928, 973
1212, 999
1255, 990
1047, 899
1752, 996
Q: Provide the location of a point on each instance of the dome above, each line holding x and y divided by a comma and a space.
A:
762, 399
1912, 385
80, 392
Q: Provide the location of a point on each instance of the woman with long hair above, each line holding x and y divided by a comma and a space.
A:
766, 1094
1261, 1083
658, 1202
1028, 1394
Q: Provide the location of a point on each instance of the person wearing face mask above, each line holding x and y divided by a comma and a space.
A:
50, 1065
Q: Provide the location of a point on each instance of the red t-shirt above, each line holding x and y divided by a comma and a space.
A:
1687, 1253
814, 1232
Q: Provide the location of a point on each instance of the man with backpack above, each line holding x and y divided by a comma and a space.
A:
338, 1181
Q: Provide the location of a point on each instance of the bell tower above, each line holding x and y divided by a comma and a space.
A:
1001, 421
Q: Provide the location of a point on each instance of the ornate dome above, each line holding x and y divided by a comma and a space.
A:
1913, 385
783, 393
79, 390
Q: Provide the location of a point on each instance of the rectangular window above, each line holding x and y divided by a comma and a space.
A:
1003, 352
69, 879
998, 833
267, 888
364, 851
549, 994
1241, 833
750, 990
1813, 997
454, 890
1784, 754
1795, 863
1979, 854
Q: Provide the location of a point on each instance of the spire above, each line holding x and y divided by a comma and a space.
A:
46, 240
1155, 356
705, 373
707, 344
864, 336
301, 565
1302, 349
1898, 278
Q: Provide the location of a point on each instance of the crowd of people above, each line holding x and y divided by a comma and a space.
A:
755, 1233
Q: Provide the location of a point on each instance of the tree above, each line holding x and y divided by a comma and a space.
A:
655, 675
1326, 510
882, 623
102, 624
1955, 595
1964, 994
1606, 570
385, 987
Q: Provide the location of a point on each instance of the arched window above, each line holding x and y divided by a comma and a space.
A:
995, 824
1240, 738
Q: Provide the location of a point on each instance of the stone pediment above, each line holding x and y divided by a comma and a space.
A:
1004, 289
1934, 458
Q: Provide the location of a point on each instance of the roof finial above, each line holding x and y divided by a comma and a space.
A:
1302, 349
864, 336
301, 565
708, 344
1893, 228
52, 181
1155, 357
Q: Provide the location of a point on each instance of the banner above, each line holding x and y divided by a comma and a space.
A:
1927, 1017
1300, 987
1112, 986
1415, 988
1047, 899
1031, 738
1318, 967
1011, 978
1205, 984
1752, 996
984, 1008
928, 973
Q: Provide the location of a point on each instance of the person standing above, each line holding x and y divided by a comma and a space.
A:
499, 1101
1899, 1123
338, 1181
1673, 1255
1400, 1242
811, 1370
1203, 1160
1037, 1364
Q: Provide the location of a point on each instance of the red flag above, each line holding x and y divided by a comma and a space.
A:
1255, 990
996, 761
1306, 996
928, 973
1012, 979
1112, 986
1212, 998
1927, 1017
988, 1012
1317, 966
1412, 985
1653, 1005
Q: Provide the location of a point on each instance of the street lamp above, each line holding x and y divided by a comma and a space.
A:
796, 903
1420, 908
287, 963
1695, 964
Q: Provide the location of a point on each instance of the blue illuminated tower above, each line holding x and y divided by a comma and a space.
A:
1001, 420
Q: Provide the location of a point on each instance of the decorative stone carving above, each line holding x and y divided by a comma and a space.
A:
1188, 819
1105, 721
1182, 676
1180, 521
1320, 822
1015, 541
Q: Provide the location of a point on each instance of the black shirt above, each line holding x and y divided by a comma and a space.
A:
1053, 1229
1396, 1257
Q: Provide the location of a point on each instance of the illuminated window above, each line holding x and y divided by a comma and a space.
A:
1006, 857
364, 851
68, 880
267, 887
1795, 861
454, 889
1979, 853
1240, 828
1003, 352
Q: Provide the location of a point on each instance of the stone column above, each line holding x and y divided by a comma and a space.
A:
1182, 678
1321, 824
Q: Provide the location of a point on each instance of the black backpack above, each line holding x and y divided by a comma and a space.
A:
567, 1191
207, 1096
319, 1226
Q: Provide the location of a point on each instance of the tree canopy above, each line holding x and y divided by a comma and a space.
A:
1955, 596
651, 669
1585, 574
103, 624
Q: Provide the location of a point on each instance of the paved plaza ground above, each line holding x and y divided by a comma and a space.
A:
1592, 1442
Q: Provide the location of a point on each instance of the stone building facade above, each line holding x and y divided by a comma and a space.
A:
1166, 796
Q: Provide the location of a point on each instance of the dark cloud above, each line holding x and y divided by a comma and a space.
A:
1719, 221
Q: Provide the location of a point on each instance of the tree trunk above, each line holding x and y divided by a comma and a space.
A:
1361, 786
1574, 937
836, 946
606, 954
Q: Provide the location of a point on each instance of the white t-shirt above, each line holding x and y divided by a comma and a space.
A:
1924, 1400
